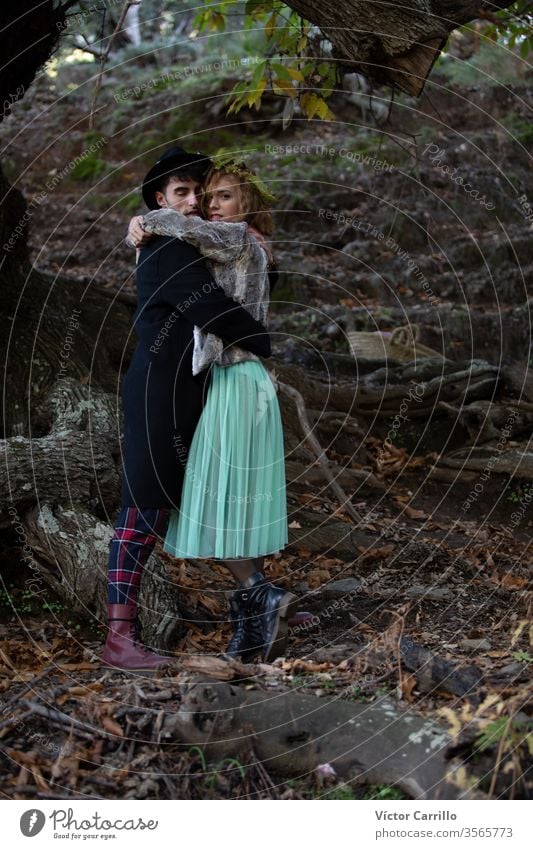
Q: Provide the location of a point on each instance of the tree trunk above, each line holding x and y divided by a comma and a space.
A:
29, 32
363, 743
70, 549
132, 26
50, 327
392, 44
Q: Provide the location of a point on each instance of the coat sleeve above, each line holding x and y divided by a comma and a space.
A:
187, 285
222, 241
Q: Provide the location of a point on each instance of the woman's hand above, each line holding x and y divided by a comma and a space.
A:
137, 237
262, 241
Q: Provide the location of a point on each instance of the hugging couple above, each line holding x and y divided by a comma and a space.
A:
203, 453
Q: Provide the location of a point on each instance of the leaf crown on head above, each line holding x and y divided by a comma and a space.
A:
224, 161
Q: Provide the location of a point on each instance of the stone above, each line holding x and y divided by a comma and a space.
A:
475, 645
432, 593
343, 587
511, 670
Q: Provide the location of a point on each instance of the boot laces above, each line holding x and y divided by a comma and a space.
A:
237, 619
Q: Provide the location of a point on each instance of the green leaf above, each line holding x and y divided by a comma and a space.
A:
254, 7
323, 111
254, 97
238, 88
218, 22
492, 733
525, 47
287, 72
281, 71
295, 73
283, 87
257, 74
522, 655
270, 26
309, 104
239, 766
237, 97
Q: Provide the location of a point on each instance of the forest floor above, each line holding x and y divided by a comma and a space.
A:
457, 583
460, 589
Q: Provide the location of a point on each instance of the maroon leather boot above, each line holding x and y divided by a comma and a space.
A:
122, 649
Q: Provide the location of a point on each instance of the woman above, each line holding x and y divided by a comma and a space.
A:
233, 505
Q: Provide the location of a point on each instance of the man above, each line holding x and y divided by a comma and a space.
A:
162, 399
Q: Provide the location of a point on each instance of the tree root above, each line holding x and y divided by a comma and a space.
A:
292, 734
316, 449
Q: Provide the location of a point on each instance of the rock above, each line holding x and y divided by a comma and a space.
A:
334, 331
512, 670
336, 654
433, 593
475, 645
342, 587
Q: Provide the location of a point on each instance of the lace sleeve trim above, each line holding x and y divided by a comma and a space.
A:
218, 240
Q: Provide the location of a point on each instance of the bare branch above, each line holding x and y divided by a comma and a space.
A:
317, 450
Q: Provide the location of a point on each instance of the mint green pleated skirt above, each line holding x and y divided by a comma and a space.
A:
233, 500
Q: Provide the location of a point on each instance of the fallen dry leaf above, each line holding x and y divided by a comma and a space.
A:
412, 513
39, 780
509, 581
79, 690
370, 554
217, 667
212, 604
111, 726
407, 686
298, 665
318, 577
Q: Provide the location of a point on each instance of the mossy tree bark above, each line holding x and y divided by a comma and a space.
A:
395, 44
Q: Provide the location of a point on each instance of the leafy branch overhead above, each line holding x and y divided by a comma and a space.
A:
306, 51
303, 76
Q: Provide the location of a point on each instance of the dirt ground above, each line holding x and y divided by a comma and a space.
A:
438, 583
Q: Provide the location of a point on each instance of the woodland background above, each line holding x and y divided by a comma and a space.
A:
410, 479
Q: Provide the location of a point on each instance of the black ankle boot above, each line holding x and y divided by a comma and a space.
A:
260, 615
237, 619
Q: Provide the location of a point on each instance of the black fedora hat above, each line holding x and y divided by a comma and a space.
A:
171, 160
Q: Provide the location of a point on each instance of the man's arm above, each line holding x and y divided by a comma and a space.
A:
273, 277
187, 284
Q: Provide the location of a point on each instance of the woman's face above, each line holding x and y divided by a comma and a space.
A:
223, 199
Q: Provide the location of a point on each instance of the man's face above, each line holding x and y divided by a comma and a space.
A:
181, 195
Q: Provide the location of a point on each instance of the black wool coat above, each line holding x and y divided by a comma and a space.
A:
162, 400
